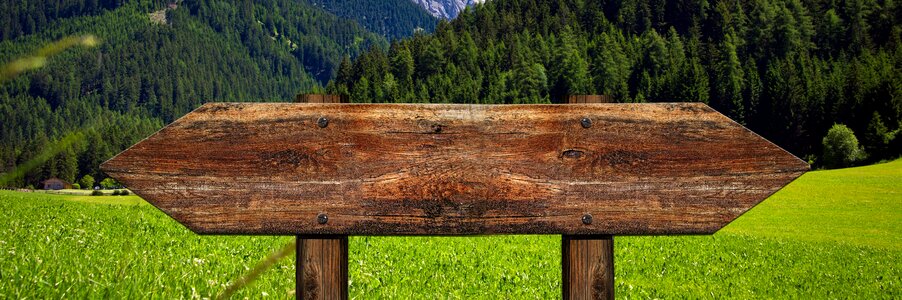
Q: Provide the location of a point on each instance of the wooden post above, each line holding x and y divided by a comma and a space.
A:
579, 99
322, 267
319, 98
587, 262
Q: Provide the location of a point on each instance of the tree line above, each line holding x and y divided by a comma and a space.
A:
787, 69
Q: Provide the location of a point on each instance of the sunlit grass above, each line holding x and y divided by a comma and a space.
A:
58, 246
84, 196
858, 206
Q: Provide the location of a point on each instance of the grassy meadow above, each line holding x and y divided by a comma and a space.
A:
830, 234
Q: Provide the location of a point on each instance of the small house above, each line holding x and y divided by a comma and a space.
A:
56, 184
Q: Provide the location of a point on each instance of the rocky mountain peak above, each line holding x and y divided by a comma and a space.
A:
447, 9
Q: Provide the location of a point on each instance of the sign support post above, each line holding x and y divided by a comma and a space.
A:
322, 267
587, 262
588, 267
321, 262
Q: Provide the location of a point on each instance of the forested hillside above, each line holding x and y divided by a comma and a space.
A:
393, 19
145, 74
20, 18
788, 69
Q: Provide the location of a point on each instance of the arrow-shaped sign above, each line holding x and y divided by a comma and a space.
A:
396, 169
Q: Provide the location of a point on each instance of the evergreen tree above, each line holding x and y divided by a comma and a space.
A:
402, 64
572, 76
432, 60
610, 67
730, 80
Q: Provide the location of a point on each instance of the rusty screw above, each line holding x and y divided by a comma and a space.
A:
586, 122
322, 122
322, 218
587, 219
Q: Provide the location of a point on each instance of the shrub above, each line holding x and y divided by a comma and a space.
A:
96, 193
124, 193
76, 186
109, 183
841, 147
86, 181
116, 193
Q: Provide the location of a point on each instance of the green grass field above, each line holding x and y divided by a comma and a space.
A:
830, 234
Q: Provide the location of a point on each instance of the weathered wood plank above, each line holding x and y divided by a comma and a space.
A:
322, 267
395, 169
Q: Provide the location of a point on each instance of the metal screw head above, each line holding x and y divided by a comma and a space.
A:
322, 218
586, 122
587, 219
322, 122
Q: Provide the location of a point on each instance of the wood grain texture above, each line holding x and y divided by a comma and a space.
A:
322, 267
588, 267
579, 99
396, 169
319, 98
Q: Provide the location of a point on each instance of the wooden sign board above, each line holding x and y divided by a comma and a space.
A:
402, 169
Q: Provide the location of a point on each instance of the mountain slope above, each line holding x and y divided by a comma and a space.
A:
146, 74
19, 18
391, 18
447, 9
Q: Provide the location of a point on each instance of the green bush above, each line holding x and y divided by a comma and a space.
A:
86, 182
96, 193
76, 186
841, 147
109, 183
124, 193
116, 193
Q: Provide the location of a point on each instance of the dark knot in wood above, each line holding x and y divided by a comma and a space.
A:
573, 154
430, 127
586, 122
587, 219
322, 122
322, 219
